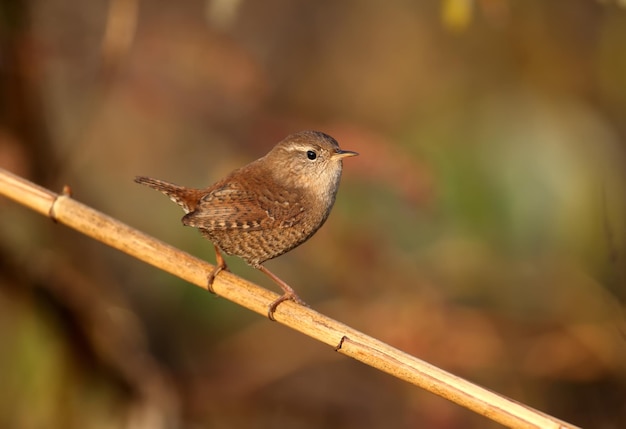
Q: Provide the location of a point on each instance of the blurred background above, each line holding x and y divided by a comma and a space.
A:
482, 228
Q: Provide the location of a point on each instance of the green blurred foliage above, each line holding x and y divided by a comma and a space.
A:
482, 227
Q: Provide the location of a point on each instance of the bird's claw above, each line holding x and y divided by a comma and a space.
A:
285, 297
213, 275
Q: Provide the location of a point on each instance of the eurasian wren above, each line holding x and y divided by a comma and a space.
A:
268, 207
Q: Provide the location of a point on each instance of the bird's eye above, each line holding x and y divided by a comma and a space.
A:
311, 155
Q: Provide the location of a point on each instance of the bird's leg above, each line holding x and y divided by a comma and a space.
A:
220, 264
289, 294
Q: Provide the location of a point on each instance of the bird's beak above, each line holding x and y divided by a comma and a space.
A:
340, 154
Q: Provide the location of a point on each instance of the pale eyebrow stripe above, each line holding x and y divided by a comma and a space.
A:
303, 147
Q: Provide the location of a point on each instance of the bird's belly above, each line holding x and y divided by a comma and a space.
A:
258, 246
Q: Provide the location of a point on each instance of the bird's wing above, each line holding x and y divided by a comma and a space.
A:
230, 206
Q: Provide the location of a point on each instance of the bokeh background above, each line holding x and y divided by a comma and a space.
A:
482, 228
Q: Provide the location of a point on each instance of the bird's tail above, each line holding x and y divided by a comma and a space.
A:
187, 198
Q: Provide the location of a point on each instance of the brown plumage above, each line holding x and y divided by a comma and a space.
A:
268, 207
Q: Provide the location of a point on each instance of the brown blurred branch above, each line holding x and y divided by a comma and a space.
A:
121, 26
346, 340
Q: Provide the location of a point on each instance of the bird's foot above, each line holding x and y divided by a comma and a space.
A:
219, 267
288, 296
211, 278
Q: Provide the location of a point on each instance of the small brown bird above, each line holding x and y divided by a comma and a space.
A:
268, 207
